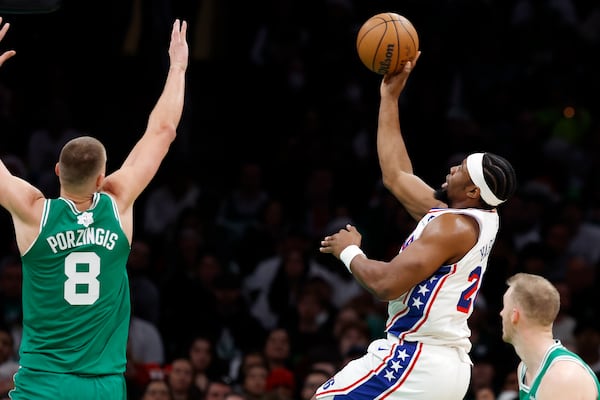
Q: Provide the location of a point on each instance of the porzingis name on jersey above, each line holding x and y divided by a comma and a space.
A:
80, 237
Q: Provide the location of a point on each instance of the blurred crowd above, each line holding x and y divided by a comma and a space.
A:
277, 149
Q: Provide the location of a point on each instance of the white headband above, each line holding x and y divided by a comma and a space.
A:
475, 168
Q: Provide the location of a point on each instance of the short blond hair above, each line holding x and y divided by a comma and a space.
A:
81, 160
536, 296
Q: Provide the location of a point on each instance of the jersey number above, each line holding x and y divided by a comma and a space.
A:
82, 288
468, 295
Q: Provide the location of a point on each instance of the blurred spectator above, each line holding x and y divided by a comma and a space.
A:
145, 355
46, 141
587, 342
260, 240
483, 375
581, 277
277, 349
180, 380
8, 361
157, 389
145, 342
217, 389
277, 281
556, 236
484, 393
484, 337
254, 382
584, 236
280, 384
11, 307
385, 224
187, 300
235, 396
564, 323
313, 379
242, 364
233, 329
241, 207
311, 322
175, 190
319, 201
145, 295
204, 362
510, 387
353, 340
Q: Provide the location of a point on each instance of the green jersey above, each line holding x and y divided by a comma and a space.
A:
556, 352
76, 303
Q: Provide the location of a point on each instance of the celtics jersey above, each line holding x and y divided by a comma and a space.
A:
556, 352
76, 303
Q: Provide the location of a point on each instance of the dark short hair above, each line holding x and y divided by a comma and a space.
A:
499, 175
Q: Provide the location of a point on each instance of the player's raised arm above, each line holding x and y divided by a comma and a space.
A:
143, 161
18, 197
394, 161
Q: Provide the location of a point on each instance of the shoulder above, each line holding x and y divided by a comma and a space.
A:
564, 375
452, 223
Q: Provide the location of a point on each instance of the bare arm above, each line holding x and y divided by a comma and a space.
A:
396, 167
23, 201
142, 163
445, 240
567, 380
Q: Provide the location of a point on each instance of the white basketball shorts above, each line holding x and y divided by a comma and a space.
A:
401, 371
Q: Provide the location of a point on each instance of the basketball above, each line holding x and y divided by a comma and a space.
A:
386, 41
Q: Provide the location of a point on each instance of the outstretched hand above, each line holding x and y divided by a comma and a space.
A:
9, 53
393, 84
178, 49
337, 242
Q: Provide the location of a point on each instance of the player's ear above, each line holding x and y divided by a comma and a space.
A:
57, 170
515, 316
473, 191
99, 180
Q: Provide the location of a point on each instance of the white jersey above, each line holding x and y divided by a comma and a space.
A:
436, 310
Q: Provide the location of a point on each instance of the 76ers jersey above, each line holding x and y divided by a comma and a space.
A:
436, 310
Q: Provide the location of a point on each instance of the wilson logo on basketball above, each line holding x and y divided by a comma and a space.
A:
384, 65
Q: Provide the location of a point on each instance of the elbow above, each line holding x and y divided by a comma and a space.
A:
168, 131
382, 291
384, 294
388, 180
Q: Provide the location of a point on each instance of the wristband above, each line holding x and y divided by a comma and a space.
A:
349, 253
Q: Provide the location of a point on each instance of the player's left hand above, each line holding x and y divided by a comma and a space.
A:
393, 84
337, 242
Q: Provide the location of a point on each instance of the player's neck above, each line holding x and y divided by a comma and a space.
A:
82, 202
533, 346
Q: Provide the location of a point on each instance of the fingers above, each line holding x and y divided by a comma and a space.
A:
179, 30
6, 55
325, 245
414, 60
4, 29
326, 250
184, 29
350, 228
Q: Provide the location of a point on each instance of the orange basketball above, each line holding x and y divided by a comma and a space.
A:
386, 41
